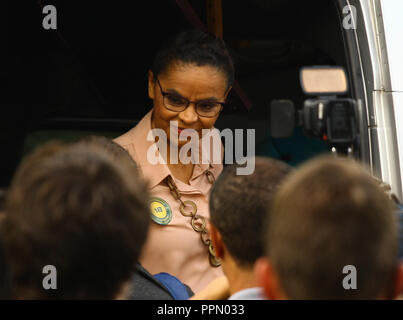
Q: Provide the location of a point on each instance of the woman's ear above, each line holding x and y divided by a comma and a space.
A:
151, 85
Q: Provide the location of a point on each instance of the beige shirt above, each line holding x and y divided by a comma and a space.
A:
174, 248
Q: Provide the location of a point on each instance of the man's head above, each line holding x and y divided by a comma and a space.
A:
328, 215
79, 209
238, 206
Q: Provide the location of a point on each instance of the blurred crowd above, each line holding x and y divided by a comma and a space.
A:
325, 230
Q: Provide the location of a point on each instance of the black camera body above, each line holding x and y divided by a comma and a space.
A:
330, 119
325, 115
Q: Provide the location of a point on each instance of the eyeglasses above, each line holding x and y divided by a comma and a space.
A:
204, 108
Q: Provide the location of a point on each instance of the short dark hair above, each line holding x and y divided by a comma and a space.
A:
327, 215
79, 209
116, 151
238, 206
194, 47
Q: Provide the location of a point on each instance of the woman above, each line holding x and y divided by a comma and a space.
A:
189, 82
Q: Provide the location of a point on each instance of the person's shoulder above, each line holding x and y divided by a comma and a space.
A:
126, 138
146, 287
135, 133
254, 293
162, 286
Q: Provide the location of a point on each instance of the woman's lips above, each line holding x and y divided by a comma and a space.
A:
189, 130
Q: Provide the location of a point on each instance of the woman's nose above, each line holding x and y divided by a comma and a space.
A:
189, 115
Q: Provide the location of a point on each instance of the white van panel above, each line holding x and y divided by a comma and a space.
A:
386, 131
398, 108
392, 11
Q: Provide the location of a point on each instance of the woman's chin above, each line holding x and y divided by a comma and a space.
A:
178, 144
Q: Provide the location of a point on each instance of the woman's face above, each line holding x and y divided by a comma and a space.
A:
195, 83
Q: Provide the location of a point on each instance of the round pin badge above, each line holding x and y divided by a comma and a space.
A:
161, 212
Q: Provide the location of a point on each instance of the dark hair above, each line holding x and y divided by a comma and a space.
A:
194, 47
238, 206
108, 145
81, 210
116, 151
327, 215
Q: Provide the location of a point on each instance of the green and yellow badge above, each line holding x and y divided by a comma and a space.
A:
161, 212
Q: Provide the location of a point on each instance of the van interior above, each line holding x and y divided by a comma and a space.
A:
89, 76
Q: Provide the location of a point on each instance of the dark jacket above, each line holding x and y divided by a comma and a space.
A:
146, 287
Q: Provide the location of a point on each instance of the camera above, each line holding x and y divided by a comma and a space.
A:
326, 116
331, 120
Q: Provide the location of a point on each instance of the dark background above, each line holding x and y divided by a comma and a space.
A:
90, 75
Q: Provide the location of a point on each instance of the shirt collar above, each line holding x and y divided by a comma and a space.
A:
154, 173
254, 293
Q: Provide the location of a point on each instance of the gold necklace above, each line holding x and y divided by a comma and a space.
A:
197, 221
